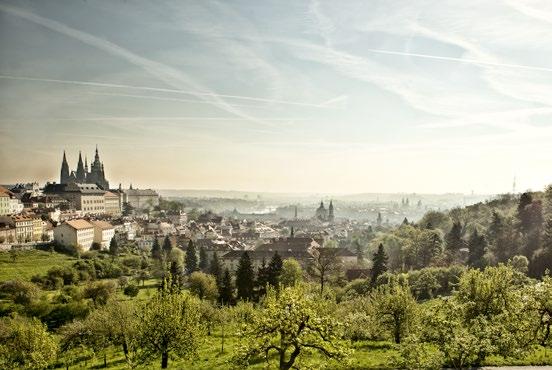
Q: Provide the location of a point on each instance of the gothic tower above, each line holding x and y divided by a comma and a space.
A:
80, 174
64, 176
331, 216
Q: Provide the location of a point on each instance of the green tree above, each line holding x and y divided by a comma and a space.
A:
379, 263
191, 258
215, 269
275, 270
203, 260
226, 289
454, 241
262, 279
396, 309
477, 245
156, 250
25, 344
170, 326
292, 273
203, 285
113, 247
245, 278
291, 323
167, 246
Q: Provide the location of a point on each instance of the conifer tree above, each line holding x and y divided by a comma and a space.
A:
156, 250
476, 244
167, 246
113, 247
454, 241
215, 269
245, 278
379, 263
262, 279
275, 270
203, 260
191, 258
226, 291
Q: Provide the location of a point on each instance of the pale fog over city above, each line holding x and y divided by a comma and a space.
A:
375, 174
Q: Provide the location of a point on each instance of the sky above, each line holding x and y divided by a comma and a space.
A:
280, 96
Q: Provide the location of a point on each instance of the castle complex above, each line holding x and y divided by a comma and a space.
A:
96, 175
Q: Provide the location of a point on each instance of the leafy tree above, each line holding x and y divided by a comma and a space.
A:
113, 247
204, 286
396, 309
379, 263
203, 260
292, 273
542, 258
169, 326
323, 265
275, 270
539, 306
156, 250
167, 246
191, 258
226, 290
25, 344
291, 324
245, 278
100, 292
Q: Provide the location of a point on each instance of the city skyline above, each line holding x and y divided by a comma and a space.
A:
386, 96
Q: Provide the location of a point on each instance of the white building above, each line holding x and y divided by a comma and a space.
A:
16, 207
75, 232
103, 233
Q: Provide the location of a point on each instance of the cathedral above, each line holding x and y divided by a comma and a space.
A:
325, 215
96, 175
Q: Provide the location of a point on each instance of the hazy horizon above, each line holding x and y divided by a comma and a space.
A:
280, 97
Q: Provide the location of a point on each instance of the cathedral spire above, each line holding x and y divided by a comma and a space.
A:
80, 174
64, 175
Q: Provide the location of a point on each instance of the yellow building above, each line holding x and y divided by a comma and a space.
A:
75, 233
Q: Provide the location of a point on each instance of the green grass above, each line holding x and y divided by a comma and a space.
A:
29, 263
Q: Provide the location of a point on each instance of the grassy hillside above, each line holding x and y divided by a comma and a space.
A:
30, 262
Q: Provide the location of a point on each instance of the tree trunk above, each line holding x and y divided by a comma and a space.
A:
164, 360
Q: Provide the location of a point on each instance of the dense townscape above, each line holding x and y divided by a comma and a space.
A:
126, 278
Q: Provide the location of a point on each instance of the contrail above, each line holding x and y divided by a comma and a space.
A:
160, 89
165, 73
461, 60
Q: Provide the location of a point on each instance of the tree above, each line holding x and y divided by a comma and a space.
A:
113, 247
379, 263
156, 250
245, 278
203, 260
274, 270
191, 258
396, 309
26, 343
167, 246
454, 241
226, 290
169, 326
204, 286
292, 273
215, 269
477, 245
262, 280
542, 258
100, 292
291, 323
323, 265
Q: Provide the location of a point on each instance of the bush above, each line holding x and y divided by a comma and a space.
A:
131, 290
416, 355
20, 292
100, 292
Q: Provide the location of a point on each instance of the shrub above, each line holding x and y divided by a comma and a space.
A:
131, 290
